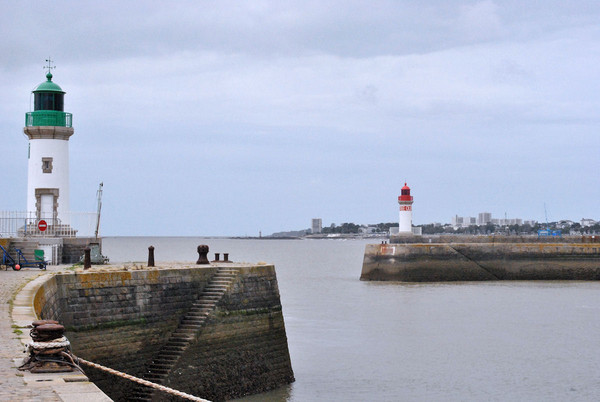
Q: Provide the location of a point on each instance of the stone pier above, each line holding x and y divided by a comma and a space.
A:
433, 262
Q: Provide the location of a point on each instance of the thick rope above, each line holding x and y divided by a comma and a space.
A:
56, 343
143, 382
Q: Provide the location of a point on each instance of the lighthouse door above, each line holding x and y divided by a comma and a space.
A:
46, 207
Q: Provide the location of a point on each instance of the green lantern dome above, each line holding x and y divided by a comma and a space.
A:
48, 86
48, 106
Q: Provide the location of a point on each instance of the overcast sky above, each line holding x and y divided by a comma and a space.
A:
234, 117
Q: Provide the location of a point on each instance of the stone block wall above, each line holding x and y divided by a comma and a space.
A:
462, 238
432, 262
73, 248
243, 348
121, 319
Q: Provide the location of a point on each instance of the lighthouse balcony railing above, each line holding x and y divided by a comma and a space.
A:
27, 224
48, 118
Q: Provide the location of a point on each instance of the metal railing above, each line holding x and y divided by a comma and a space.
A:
28, 224
48, 118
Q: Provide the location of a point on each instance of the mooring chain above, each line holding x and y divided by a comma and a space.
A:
142, 382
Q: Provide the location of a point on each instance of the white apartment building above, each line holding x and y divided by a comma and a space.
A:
316, 225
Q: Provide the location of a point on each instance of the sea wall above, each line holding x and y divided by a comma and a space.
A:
244, 345
432, 262
121, 319
463, 238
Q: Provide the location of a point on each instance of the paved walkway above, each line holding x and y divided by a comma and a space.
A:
12, 384
18, 288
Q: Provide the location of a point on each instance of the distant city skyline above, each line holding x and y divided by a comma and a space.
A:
463, 222
483, 218
235, 118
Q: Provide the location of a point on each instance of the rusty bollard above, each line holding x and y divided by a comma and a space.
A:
151, 256
202, 254
226, 257
49, 351
217, 256
87, 260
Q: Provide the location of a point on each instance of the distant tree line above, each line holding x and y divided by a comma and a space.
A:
349, 228
344, 228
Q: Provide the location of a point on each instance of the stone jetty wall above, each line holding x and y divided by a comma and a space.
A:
463, 238
244, 345
432, 262
121, 319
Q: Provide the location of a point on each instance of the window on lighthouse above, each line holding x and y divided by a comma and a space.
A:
47, 165
49, 101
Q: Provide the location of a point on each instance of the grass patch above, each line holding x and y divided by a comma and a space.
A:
16, 329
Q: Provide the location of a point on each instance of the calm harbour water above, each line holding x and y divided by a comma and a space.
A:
372, 341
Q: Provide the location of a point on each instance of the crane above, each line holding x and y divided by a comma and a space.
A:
99, 196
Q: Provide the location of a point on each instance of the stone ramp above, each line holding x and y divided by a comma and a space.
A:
186, 333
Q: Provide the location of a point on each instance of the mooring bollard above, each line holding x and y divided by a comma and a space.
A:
226, 257
87, 260
217, 256
151, 256
203, 254
49, 351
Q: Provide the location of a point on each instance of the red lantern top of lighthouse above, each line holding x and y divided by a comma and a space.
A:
405, 194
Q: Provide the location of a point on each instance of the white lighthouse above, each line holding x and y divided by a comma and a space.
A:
48, 128
405, 200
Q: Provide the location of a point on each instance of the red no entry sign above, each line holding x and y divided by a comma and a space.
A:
42, 225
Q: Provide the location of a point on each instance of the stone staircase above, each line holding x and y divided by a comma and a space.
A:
188, 329
27, 247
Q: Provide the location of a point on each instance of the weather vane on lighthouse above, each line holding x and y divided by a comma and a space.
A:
49, 66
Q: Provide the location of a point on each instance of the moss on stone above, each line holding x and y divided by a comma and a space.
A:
107, 325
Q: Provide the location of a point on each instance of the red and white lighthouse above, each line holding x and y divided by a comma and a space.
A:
405, 200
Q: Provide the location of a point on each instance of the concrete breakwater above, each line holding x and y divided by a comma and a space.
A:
218, 344
432, 262
464, 238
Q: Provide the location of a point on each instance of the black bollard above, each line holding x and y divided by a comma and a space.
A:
87, 260
226, 257
151, 256
217, 257
202, 254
